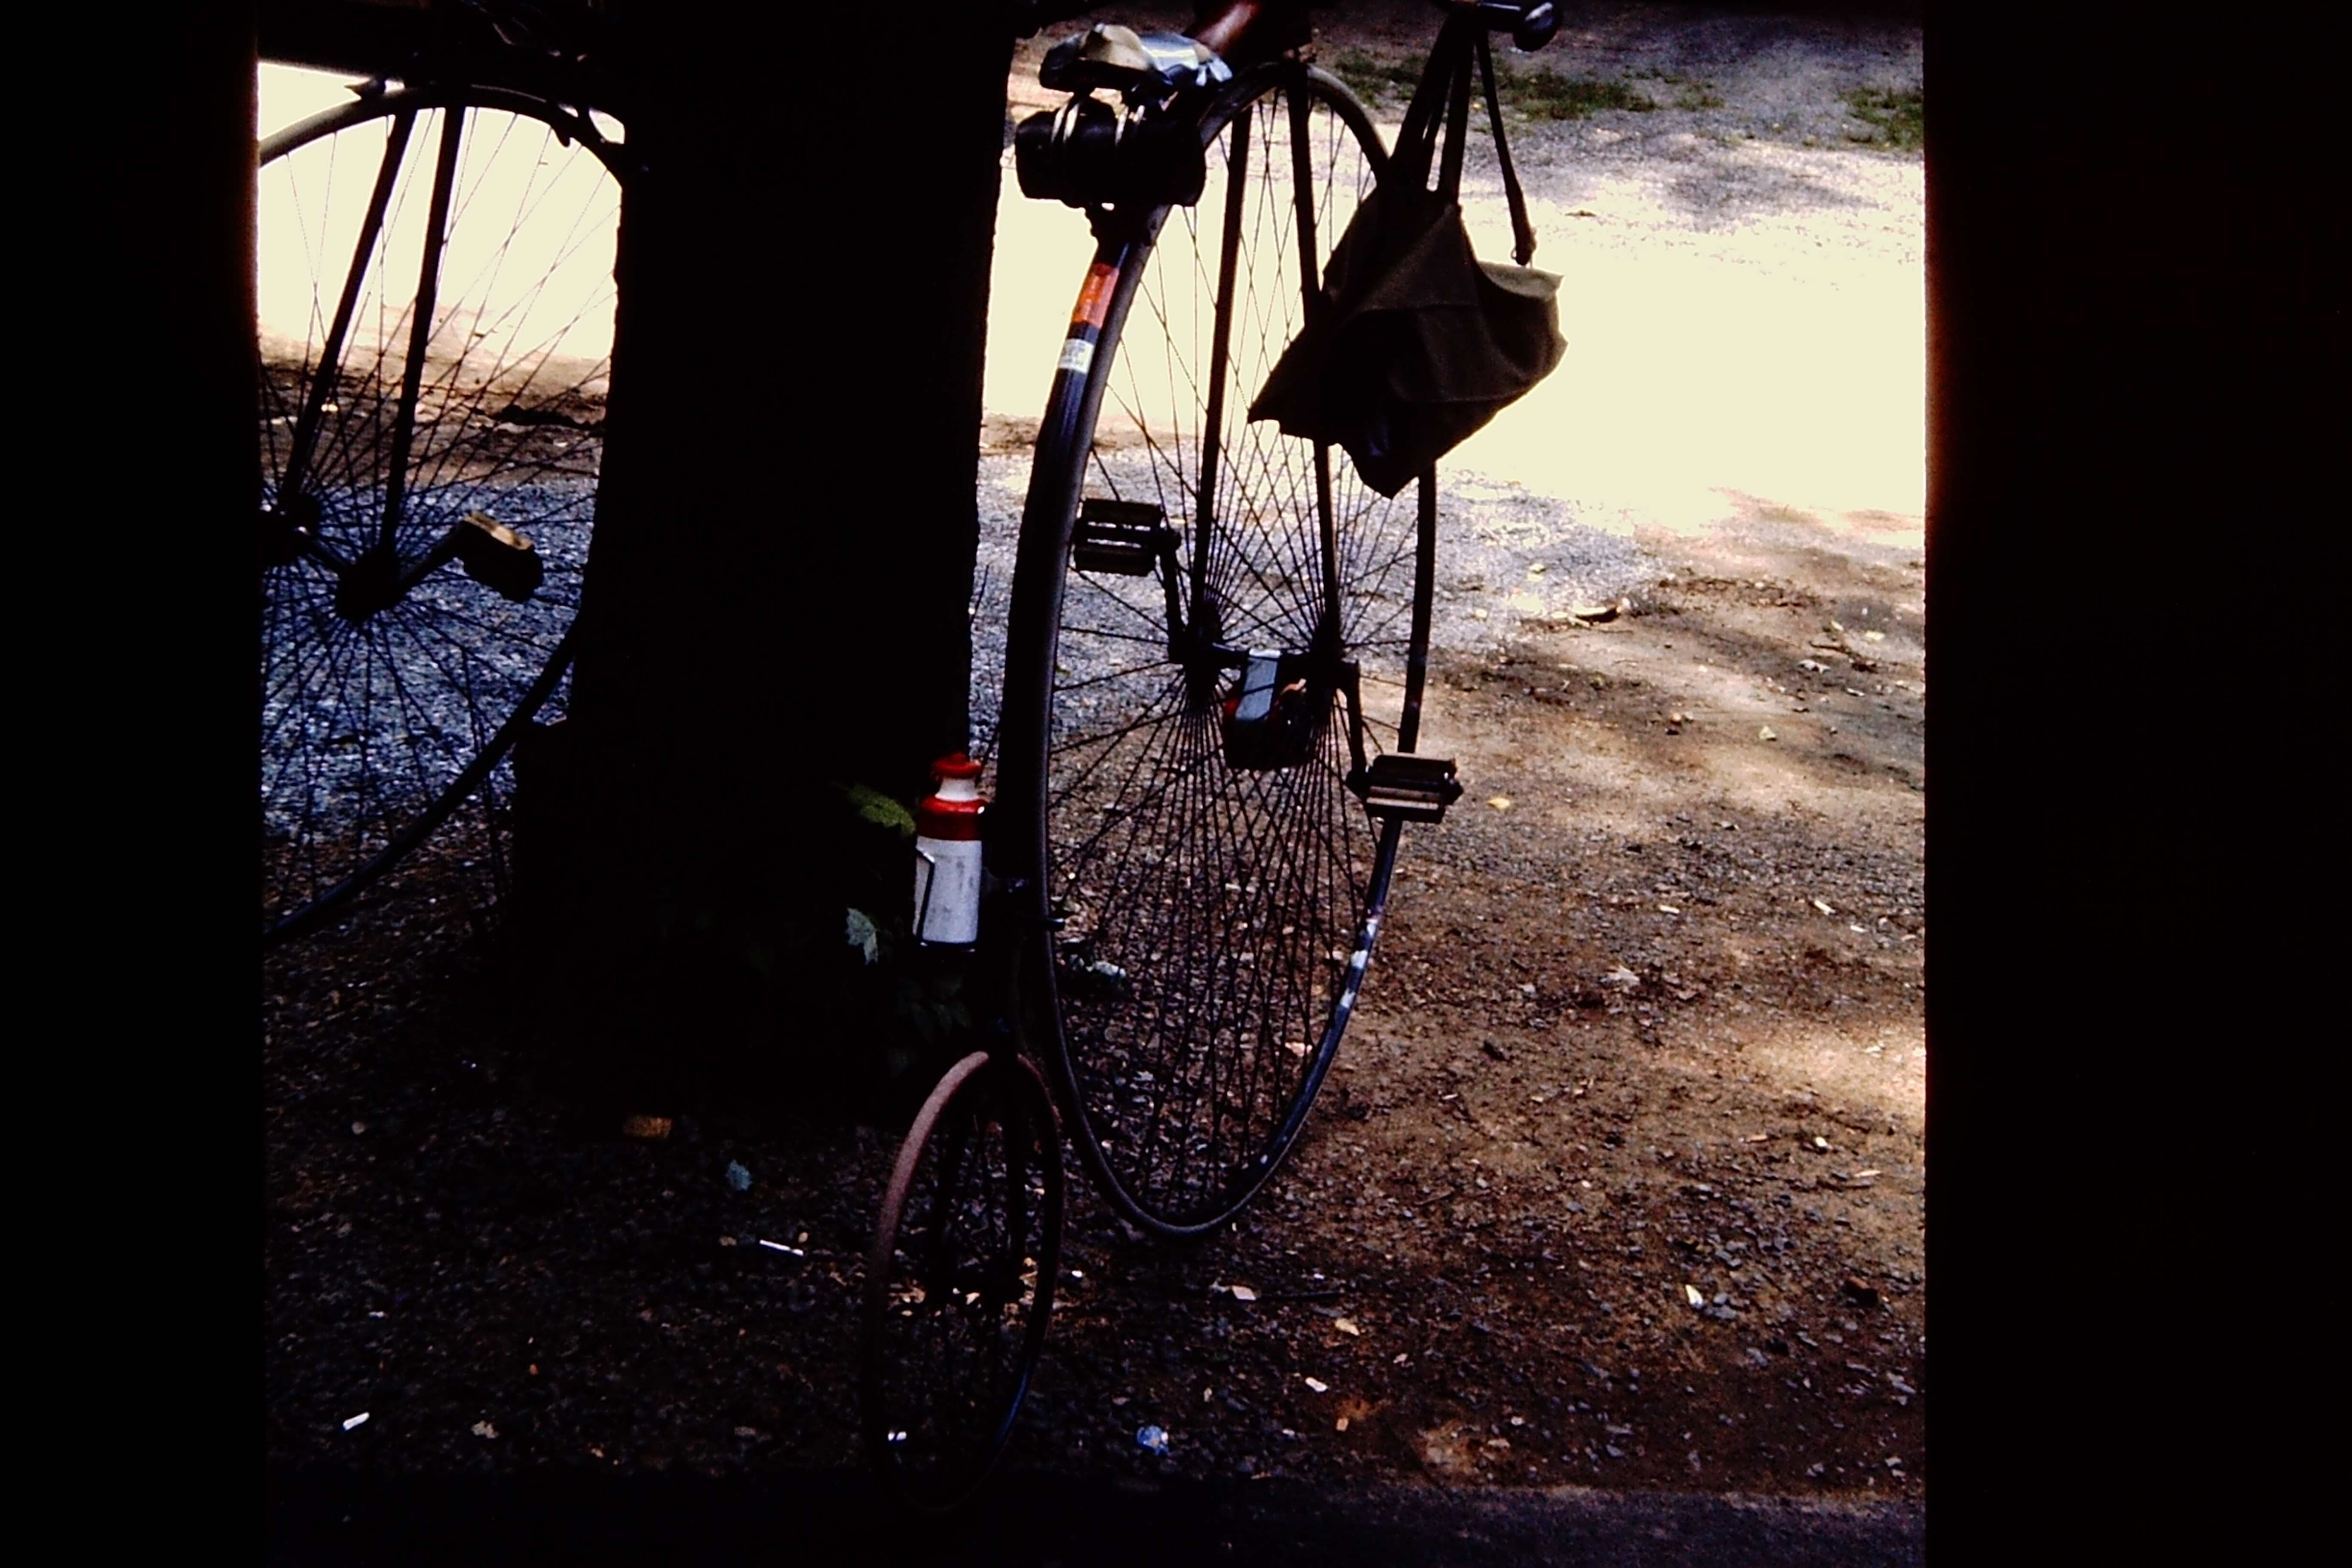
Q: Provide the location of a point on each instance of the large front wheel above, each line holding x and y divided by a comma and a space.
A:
1215, 627
435, 290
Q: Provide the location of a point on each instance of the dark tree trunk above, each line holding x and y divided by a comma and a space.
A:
777, 601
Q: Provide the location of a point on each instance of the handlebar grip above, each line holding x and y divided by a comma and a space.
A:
1531, 26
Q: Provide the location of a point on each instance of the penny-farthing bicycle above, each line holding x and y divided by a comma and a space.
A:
1215, 656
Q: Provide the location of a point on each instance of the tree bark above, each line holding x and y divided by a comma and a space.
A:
778, 594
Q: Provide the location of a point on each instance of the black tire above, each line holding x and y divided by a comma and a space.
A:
960, 1282
394, 683
1213, 920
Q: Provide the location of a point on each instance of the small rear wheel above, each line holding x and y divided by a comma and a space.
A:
960, 1283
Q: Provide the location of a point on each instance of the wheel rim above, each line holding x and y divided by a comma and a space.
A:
387, 680
960, 1282
1215, 920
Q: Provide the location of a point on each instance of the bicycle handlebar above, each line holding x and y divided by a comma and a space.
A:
1245, 31
1531, 26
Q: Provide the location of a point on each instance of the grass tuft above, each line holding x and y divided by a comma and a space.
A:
1372, 78
1548, 95
1537, 94
1896, 118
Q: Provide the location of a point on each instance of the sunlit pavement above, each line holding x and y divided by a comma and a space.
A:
1747, 331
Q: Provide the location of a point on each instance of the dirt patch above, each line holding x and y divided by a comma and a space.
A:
1619, 1178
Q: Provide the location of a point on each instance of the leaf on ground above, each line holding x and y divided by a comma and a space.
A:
880, 809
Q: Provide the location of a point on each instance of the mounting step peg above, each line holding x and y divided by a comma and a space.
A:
1407, 788
1122, 538
496, 555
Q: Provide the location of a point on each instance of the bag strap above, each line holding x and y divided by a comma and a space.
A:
1523, 233
1458, 125
1443, 98
1416, 144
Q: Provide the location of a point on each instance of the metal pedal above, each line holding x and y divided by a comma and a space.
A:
1409, 788
496, 555
1121, 538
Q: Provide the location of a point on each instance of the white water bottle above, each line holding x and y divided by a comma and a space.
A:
947, 855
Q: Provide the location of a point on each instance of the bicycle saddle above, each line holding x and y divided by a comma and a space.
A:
1124, 60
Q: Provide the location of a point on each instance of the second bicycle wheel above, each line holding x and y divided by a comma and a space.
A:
960, 1283
1215, 626
436, 300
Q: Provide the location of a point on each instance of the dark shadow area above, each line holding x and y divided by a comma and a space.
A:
821, 1517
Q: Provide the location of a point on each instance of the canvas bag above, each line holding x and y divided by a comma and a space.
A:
1416, 342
